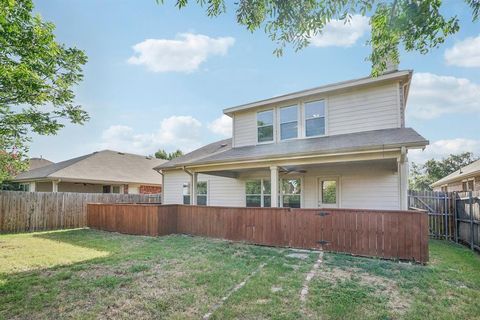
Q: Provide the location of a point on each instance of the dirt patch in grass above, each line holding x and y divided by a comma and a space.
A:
397, 302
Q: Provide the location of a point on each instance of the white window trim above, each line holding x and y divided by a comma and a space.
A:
262, 194
207, 202
274, 120
339, 189
279, 121
189, 188
301, 121
304, 118
302, 190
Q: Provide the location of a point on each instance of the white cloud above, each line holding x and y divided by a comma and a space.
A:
222, 126
183, 54
180, 132
432, 95
337, 33
465, 53
443, 148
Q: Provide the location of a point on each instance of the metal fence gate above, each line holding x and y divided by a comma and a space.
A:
453, 216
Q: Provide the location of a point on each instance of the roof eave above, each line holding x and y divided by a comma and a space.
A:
323, 89
460, 177
412, 145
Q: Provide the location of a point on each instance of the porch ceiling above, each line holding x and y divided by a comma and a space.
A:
303, 169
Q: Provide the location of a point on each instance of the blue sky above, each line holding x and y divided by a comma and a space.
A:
169, 92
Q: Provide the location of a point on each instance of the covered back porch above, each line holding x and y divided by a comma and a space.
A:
369, 180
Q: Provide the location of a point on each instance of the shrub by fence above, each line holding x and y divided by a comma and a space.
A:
35, 211
386, 234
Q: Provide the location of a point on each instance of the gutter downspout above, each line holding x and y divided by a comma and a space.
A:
403, 174
159, 171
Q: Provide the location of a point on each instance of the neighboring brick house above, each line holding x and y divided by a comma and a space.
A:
464, 179
99, 172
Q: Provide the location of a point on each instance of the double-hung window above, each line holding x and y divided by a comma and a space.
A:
315, 118
468, 185
257, 193
291, 193
265, 126
202, 193
186, 193
288, 122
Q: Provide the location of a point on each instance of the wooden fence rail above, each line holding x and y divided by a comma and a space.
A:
35, 211
386, 234
453, 216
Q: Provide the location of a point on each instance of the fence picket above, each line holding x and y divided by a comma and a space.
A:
34, 211
453, 216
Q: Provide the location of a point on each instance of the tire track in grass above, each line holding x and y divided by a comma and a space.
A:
235, 289
309, 277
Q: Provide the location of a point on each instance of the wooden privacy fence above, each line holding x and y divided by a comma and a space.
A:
386, 234
34, 211
453, 216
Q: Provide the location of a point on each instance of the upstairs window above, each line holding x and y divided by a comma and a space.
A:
265, 126
315, 118
288, 122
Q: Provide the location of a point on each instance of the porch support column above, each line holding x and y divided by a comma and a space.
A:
54, 186
193, 188
274, 186
403, 175
32, 186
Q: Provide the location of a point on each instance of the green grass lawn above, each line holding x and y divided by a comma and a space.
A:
85, 274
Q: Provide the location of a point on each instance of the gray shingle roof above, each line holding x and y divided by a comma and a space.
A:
467, 171
107, 165
368, 140
388, 76
34, 163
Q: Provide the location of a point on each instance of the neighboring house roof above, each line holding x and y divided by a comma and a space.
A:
357, 83
222, 151
471, 170
107, 165
34, 163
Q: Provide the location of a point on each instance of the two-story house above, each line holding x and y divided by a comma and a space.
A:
340, 145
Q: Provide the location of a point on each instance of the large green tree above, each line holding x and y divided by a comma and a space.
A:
162, 154
36, 78
423, 175
417, 25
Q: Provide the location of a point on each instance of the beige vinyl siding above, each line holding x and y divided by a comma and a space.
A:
173, 186
221, 191
360, 185
225, 192
43, 186
363, 110
79, 187
244, 129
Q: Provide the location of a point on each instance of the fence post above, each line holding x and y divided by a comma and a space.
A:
455, 212
471, 221
445, 202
